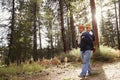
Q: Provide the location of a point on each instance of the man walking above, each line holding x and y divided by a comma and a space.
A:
85, 50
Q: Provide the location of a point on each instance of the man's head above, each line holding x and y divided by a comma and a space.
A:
88, 27
81, 28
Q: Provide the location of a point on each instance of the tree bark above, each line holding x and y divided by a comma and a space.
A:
69, 35
34, 31
73, 33
12, 31
94, 23
119, 28
40, 39
102, 22
117, 25
51, 35
62, 25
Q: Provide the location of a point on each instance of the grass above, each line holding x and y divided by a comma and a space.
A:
32, 67
9, 72
103, 54
73, 55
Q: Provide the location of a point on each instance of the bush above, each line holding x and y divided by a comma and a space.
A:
72, 56
7, 72
104, 54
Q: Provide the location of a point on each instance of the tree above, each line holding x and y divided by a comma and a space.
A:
35, 11
118, 35
94, 24
11, 45
102, 21
119, 21
62, 25
72, 27
39, 29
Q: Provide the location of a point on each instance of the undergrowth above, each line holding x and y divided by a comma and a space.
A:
7, 73
104, 54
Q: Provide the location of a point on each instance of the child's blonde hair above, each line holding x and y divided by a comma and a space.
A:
88, 26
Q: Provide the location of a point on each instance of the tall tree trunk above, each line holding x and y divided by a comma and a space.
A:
12, 31
19, 52
112, 36
73, 33
51, 36
62, 25
119, 22
69, 34
102, 24
117, 25
94, 24
118, 35
34, 31
40, 39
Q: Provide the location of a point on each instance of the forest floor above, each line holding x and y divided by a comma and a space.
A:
70, 71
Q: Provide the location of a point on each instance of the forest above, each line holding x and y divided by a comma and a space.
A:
32, 30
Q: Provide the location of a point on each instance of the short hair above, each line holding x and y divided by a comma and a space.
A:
88, 25
81, 27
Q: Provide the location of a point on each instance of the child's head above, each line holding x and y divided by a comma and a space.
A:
88, 27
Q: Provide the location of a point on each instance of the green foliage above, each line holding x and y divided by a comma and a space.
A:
32, 67
7, 72
72, 55
49, 19
104, 54
109, 30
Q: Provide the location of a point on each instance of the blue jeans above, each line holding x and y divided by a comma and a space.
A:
85, 56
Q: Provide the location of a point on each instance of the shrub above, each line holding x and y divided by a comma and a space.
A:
72, 55
7, 72
104, 54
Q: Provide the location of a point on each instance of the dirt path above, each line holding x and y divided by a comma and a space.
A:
108, 71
